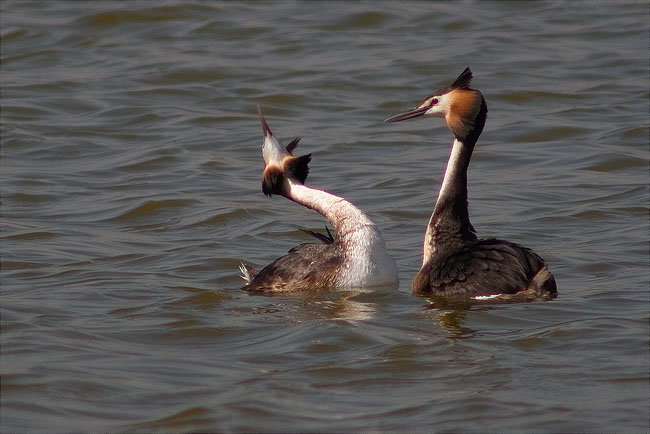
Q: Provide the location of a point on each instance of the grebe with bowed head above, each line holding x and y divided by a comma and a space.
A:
455, 262
355, 257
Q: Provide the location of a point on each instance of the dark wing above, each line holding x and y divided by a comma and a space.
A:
305, 266
487, 267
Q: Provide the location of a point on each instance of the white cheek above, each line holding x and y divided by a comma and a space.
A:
435, 111
273, 152
439, 109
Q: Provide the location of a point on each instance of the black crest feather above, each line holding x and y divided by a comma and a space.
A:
292, 145
463, 80
265, 127
297, 168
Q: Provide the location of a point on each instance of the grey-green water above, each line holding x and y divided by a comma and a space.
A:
130, 191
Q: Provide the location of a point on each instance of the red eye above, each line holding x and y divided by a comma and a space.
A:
434, 101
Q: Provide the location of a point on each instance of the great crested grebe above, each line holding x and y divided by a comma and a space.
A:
455, 262
355, 257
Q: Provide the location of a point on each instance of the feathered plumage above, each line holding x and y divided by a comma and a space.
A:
455, 262
355, 257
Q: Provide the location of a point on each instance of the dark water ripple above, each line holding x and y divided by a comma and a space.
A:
130, 175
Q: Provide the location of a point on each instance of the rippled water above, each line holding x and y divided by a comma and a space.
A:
131, 191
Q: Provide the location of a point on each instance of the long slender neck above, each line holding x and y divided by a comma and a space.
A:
452, 196
366, 261
449, 226
347, 219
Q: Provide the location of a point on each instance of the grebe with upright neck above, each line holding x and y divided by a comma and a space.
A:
355, 257
455, 262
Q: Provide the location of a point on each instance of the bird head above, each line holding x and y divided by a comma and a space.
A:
279, 162
463, 109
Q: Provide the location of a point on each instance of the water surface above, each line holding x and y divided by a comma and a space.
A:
130, 176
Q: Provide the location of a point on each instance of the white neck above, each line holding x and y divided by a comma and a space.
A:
453, 183
452, 170
341, 214
366, 260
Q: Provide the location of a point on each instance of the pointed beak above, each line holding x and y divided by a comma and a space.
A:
265, 127
416, 112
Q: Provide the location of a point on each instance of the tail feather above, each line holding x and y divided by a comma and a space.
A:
247, 272
543, 283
